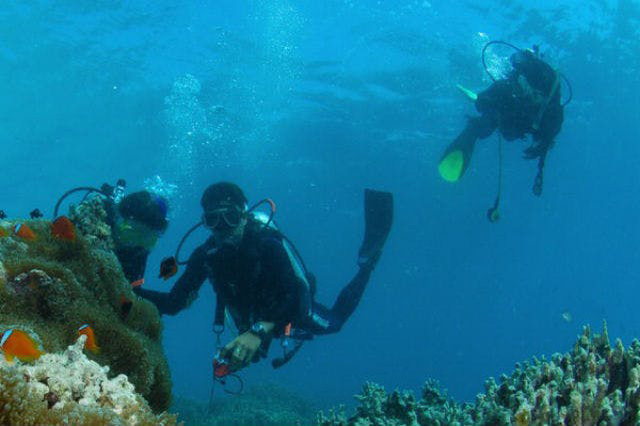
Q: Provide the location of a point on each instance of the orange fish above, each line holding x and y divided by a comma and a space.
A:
90, 343
63, 228
18, 344
3, 232
137, 283
23, 231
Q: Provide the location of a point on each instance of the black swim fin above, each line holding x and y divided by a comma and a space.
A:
378, 215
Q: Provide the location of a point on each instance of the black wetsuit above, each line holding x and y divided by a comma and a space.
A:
257, 281
522, 103
133, 261
528, 101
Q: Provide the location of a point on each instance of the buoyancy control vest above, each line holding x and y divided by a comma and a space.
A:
263, 227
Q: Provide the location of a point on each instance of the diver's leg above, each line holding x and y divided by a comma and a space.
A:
457, 155
349, 297
327, 321
321, 320
482, 127
378, 220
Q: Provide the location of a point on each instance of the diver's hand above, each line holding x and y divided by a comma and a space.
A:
241, 350
536, 149
532, 152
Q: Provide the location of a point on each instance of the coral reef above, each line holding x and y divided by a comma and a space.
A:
595, 384
261, 405
90, 218
400, 409
49, 287
68, 388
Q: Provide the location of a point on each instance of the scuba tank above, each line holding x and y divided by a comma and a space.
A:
118, 192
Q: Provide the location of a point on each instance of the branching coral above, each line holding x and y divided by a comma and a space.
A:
593, 385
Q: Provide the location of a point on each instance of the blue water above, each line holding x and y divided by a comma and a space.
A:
310, 102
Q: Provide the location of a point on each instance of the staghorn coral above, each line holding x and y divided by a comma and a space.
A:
399, 409
68, 388
50, 287
594, 385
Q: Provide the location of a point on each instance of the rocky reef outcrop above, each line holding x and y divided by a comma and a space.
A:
49, 287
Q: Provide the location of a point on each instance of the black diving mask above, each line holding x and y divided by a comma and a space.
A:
224, 217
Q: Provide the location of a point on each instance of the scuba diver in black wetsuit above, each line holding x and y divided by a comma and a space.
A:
137, 220
260, 279
527, 101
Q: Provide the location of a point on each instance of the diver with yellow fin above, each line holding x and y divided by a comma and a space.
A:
527, 101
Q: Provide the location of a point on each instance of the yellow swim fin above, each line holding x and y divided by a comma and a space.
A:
451, 166
471, 95
457, 156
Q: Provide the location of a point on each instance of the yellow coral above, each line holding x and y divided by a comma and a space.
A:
523, 415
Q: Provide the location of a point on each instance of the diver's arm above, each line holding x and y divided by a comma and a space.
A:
242, 350
537, 149
544, 136
184, 291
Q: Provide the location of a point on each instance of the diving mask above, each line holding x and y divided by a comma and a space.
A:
132, 233
224, 217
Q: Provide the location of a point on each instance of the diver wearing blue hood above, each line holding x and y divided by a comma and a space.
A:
137, 221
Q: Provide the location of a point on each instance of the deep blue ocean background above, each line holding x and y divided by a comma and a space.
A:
309, 103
